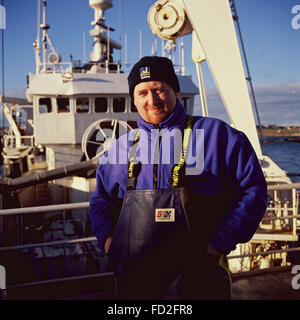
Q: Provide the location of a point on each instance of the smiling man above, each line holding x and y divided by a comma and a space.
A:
166, 228
155, 101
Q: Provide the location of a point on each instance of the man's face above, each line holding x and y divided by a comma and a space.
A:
155, 101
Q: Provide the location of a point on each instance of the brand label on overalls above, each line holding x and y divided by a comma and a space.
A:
165, 215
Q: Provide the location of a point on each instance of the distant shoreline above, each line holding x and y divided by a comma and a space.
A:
280, 131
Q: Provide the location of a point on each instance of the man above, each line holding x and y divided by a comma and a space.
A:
167, 226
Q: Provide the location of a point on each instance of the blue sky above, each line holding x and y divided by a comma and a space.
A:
272, 46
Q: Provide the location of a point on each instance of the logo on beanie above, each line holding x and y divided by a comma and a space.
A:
145, 72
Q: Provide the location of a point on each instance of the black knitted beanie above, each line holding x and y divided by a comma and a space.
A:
153, 68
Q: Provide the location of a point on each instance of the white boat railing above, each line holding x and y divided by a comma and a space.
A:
76, 67
85, 205
48, 208
12, 149
51, 243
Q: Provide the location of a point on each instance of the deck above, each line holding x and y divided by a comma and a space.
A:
274, 284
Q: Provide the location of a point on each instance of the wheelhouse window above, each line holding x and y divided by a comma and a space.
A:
63, 105
101, 104
82, 105
185, 102
119, 104
132, 106
45, 105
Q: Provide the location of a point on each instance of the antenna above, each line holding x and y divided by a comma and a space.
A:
120, 26
141, 44
163, 48
45, 27
126, 56
182, 58
84, 47
36, 44
154, 45
108, 44
179, 54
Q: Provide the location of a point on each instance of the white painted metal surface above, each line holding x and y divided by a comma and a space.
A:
212, 21
213, 25
12, 124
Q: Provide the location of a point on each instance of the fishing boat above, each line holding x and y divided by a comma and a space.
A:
75, 111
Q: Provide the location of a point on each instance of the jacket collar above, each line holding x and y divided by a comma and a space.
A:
176, 118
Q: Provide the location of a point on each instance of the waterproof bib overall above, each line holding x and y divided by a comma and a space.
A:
157, 251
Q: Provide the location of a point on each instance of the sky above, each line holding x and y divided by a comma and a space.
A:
270, 29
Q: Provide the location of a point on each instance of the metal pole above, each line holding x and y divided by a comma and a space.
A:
141, 45
96, 275
235, 18
39, 177
51, 243
84, 47
263, 253
2, 103
201, 89
48, 208
85, 205
44, 36
2, 66
38, 39
287, 186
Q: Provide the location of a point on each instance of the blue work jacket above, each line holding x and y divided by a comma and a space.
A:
221, 166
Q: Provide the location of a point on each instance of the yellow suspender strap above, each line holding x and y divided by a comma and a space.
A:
187, 133
133, 154
175, 172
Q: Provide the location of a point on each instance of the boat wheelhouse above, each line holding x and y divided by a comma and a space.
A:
63, 109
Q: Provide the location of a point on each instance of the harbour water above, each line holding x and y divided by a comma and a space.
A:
285, 153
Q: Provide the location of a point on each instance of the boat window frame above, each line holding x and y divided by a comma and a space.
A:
83, 97
125, 104
51, 105
131, 105
70, 105
186, 101
108, 105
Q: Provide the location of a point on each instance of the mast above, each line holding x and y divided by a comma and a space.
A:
45, 28
103, 44
36, 44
